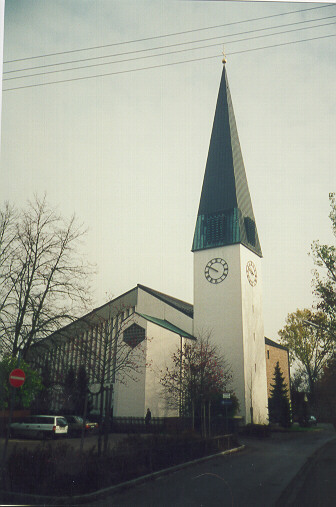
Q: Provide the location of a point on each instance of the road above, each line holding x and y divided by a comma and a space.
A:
255, 477
316, 485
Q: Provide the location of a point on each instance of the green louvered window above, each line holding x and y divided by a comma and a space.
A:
215, 229
250, 230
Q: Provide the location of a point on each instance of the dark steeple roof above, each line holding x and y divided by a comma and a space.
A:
225, 214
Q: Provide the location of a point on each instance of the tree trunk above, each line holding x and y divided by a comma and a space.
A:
84, 422
100, 433
209, 418
203, 422
108, 401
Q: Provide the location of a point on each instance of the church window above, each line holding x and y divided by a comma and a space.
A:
134, 335
216, 226
250, 230
268, 354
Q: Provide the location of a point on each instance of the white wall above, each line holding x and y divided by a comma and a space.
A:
133, 398
254, 340
218, 309
232, 312
129, 396
161, 345
152, 306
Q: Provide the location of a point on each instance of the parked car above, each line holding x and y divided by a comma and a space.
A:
75, 423
40, 426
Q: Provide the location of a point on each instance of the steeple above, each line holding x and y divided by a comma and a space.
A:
225, 214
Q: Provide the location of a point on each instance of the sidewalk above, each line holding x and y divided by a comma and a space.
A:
315, 485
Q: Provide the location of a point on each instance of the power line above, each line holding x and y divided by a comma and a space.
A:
170, 34
169, 46
168, 53
167, 64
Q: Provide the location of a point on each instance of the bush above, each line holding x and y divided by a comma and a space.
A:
27, 468
257, 430
61, 470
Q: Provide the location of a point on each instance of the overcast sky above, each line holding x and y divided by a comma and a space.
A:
126, 152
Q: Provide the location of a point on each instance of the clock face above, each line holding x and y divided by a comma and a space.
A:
216, 270
251, 273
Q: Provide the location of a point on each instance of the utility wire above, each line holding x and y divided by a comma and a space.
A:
166, 64
172, 45
170, 34
167, 53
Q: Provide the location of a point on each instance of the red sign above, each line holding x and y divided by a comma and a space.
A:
17, 378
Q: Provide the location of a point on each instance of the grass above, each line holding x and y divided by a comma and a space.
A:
302, 429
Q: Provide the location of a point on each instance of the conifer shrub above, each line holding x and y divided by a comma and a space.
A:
278, 403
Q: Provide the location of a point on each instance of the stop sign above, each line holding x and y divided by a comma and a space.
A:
17, 377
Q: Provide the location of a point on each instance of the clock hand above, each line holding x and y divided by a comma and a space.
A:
210, 267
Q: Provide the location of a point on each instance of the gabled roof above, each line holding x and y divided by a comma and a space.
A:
182, 306
111, 309
225, 214
168, 325
271, 343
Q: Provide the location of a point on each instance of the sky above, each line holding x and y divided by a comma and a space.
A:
126, 152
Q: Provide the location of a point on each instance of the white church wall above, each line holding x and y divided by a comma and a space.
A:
129, 395
218, 310
254, 341
150, 305
161, 345
179, 319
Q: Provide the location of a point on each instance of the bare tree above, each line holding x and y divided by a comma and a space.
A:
44, 281
112, 350
197, 375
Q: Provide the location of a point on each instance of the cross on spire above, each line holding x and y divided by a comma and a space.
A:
224, 56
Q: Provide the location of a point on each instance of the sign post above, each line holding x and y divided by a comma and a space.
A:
226, 401
17, 378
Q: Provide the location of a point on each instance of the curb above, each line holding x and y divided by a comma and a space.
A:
289, 494
101, 493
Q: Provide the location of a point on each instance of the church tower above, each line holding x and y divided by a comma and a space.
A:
227, 264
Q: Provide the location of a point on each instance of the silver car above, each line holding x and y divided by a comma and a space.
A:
40, 426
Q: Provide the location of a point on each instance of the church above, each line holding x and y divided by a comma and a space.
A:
227, 299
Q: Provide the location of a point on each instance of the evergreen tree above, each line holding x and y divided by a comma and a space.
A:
82, 383
278, 403
42, 402
69, 392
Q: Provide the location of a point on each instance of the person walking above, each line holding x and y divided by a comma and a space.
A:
148, 418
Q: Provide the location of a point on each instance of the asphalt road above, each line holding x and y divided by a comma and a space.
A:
255, 477
316, 484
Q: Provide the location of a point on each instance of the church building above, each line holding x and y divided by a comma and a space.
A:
227, 296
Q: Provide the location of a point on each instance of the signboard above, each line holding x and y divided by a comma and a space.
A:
17, 378
94, 388
226, 396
